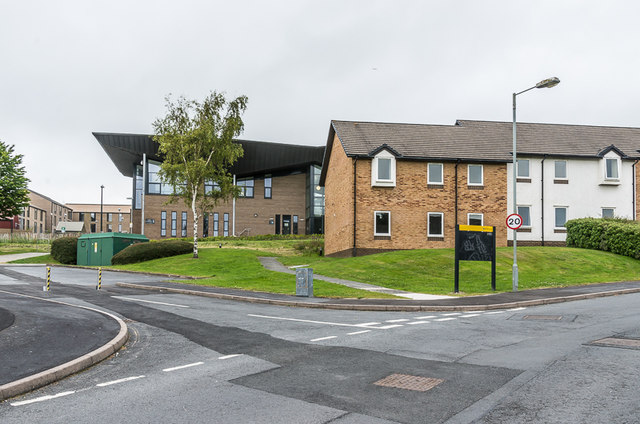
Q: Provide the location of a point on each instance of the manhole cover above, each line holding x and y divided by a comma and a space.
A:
543, 317
618, 342
409, 382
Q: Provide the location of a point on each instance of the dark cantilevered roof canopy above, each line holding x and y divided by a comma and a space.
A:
126, 150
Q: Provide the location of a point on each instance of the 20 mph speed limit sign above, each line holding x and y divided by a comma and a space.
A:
514, 221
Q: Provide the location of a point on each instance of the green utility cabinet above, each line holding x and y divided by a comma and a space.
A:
98, 249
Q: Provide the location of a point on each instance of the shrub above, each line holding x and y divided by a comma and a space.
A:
65, 250
312, 246
618, 236
141, 252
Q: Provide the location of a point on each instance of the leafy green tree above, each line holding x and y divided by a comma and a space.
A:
196, 142
14, 196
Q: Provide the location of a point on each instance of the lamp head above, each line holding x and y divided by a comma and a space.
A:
548, 83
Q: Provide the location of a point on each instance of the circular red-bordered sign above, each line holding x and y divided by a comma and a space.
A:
514, 221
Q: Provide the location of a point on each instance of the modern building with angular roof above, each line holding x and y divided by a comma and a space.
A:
279, 184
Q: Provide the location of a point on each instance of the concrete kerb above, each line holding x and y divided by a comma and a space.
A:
59, 372
391, 308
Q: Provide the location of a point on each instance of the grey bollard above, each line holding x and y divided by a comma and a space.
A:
304, 282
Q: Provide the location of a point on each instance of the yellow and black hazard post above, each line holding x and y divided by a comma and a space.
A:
99, 286
48, 286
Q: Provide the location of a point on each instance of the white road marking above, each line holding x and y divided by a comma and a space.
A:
385, 327
451, 314
417, 322
470, 315
358, 332
323, 338
41, 399
132, 299
427, 317
122, 380
516, 309
494, 312
315, 322
195, 364
397, 320
230, 356
445, 319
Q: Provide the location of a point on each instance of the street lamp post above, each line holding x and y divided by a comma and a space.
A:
101, 203
548, 83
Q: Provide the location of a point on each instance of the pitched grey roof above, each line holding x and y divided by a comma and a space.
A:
483, 141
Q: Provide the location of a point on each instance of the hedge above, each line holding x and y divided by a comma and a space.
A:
140, 252
65, 250
611, 235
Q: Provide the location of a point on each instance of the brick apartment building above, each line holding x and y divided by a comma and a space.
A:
114, 218
41, 216
401, 186
406, 186
280, 192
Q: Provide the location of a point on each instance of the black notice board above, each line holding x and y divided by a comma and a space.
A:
475, 243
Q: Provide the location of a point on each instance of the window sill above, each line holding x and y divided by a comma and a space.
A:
559, 230
375, 237
435, 238
523, 180
610, 182
475, 187
561, 181
438, 186
383, 184
524, 230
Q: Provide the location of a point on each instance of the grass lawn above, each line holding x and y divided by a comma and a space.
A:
10, 249
240, 268
44, 259
432, 271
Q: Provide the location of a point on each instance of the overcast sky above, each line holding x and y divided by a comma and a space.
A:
68, 68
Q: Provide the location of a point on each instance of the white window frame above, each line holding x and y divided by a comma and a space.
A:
613, 211
555, 218
429, 180
481, 183
481, 215
429, 233
518, 209
617, 161
375, 233
377, 182
566, 170
518, 161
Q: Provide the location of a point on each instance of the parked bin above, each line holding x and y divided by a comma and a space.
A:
98, 249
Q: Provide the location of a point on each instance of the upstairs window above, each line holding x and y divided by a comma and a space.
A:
523, 168
475, 177
560, 170
435, 174
383, 170
611, 171
246, 187
211, 186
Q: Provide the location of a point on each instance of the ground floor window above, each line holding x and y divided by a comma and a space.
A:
215, 224
295, 224
608, 212
435, 224
205, 225
561, 216
225, 225
382, 223
163, 224
475, 219
174, 224
184, 225
525, 213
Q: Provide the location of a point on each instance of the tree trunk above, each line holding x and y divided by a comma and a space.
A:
195, 227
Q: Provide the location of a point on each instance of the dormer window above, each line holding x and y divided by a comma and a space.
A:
612, 169
383, 170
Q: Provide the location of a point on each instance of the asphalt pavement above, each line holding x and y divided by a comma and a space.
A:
39, 335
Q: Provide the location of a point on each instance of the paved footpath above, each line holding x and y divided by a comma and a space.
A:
14, 257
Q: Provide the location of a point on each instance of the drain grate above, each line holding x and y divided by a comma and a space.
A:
543, 317
617, 342
409, 382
